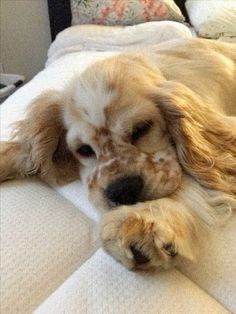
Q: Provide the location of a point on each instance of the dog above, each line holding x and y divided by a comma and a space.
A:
152, 135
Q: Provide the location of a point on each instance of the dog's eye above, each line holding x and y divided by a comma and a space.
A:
85, 151
140, 130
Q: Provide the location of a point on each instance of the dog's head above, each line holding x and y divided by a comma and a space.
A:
129, 132
119, 135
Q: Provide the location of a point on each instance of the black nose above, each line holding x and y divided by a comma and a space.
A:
125, 190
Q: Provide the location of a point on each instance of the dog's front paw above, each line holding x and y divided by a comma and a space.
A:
148, 235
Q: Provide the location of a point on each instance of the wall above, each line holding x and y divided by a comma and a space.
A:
25, 36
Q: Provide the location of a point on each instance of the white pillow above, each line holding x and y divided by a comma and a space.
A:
213, 18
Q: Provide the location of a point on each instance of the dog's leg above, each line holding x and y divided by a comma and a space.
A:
18, 161
164, 232
151, 234
15, 161
40, 146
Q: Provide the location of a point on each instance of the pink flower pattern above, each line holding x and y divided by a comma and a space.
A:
124, 12
152, 9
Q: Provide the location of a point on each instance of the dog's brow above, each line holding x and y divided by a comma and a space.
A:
90, 102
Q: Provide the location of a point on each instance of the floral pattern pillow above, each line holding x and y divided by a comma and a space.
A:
123, 12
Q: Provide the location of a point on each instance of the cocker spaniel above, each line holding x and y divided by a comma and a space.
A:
152, 135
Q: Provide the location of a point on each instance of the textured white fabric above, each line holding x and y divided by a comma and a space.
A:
102, 286
213, 18
77, 194
215, 270
44, 238
100, 38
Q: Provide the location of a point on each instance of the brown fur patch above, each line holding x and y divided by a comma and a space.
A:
41, 148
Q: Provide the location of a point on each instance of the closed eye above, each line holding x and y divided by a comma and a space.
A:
140, 130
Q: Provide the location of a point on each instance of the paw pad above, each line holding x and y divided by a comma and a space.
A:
139, 257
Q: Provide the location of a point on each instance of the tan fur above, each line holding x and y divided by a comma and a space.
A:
205, 143
178, 224
186, 91
40, 146
14, 161
149, 227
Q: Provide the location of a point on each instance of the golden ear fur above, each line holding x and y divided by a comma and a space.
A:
40, 147
205, 142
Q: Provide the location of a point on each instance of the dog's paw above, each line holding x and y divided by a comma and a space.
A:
149, 235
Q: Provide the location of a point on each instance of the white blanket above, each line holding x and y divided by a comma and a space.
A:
102, 38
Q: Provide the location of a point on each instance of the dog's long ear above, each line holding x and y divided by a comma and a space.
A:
205, 143
39, 145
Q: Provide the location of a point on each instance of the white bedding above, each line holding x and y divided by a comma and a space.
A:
73, 50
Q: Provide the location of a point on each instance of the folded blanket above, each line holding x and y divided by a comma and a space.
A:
114, 38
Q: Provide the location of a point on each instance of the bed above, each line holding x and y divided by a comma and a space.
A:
52, 260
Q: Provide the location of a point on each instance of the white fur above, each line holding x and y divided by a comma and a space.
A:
91, 101
213, 207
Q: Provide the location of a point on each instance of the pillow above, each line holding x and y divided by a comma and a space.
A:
213, 18
124, 12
